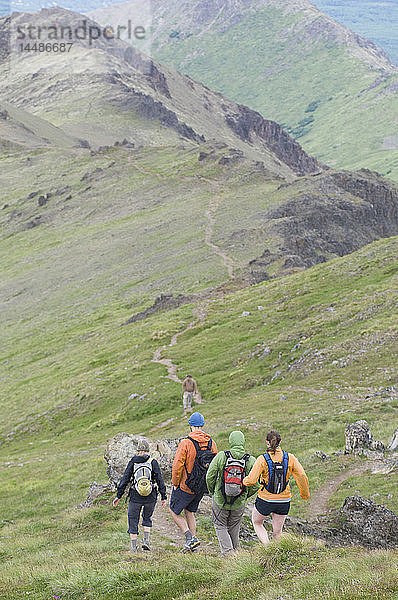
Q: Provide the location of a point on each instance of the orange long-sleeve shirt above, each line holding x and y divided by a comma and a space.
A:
185, 457
260, 469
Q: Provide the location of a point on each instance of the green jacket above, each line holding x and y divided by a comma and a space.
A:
216, 469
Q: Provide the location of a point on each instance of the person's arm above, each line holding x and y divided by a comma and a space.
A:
213, 471
301, 479
184, 386
157, 475
256, 471
123, 483
195, 387
179, 463
252, 490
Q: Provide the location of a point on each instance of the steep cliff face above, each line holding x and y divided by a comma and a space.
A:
248, 124
110, 75
332, 89
342, 213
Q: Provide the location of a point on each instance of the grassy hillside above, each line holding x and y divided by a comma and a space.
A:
374, 19
332, 90
330, 333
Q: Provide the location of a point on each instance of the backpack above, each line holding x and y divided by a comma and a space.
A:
196, 480
233, 475
277, 480
142, 478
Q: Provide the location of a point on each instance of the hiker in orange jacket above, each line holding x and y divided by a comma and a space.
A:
276, 499
182, 497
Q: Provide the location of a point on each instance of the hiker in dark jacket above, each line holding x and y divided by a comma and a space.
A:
137, 501
227, 512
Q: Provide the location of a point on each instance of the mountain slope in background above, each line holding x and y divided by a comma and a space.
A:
332, 89
374, 19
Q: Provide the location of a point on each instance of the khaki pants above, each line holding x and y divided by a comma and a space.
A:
187, 400
227, 526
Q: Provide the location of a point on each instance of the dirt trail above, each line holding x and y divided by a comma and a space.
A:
209, 232
200, 314
199, 311
210, 214
318, 504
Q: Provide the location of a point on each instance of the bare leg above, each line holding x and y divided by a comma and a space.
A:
180, 521
191, 521
258, 520
133, 536
277, 525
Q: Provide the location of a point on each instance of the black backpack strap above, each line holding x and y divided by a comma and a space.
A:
195, 443
210, 444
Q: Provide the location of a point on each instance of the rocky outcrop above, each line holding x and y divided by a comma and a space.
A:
359, 440
393, 445
248, 124
152, 109
123, 446
96, 490
162, 302
359, 522
334, 215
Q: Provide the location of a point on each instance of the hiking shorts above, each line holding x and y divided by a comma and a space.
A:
266, 508
181, 500
135, 512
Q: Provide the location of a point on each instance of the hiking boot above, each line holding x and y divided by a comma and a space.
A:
146, 546
192, 545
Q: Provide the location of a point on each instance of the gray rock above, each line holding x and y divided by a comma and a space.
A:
359, 440
359, 522
95, 491
123, 446
393, 445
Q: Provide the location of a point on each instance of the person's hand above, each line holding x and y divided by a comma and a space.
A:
164, 502
174, 487
116, 502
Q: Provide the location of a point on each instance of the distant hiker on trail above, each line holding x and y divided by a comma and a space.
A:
275, 468
143, 472
225, 483
189, 388
193, 456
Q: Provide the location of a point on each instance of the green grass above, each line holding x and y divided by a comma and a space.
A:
283, 60
69, 369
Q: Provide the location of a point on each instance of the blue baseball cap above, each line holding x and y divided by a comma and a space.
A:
196, 420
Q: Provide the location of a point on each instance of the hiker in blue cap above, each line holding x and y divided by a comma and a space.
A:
193, 456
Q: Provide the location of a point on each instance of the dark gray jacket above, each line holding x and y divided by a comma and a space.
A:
157, 479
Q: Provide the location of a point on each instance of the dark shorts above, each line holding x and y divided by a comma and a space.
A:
266, 508
135, 512
181, 500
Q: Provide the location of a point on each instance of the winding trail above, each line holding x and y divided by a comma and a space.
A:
200, 314
200, 311
319, 501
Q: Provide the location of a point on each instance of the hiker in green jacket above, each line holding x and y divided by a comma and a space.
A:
224, 477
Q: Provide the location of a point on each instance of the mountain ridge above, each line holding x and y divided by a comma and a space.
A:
338, 89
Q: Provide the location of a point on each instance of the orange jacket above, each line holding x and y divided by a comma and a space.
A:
185, 457
260, 469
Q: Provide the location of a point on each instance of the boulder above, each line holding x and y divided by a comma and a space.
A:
393, 445
359, 522
369, 524
123, 446
95, 491
359, 440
